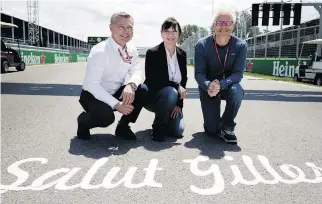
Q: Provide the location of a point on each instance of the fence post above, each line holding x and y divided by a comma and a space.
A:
255, 44
298, 41
281, 38
266, 42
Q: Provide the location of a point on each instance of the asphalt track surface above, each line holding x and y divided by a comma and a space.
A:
278, 158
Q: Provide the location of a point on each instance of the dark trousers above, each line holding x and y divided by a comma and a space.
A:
162, 104
211, 108
100, 114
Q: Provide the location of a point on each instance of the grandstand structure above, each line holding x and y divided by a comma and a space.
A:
48, 38
285, 43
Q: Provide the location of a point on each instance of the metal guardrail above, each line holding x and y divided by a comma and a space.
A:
284, 42
49, 47
28, 47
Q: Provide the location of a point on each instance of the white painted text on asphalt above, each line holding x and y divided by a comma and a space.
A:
295, 174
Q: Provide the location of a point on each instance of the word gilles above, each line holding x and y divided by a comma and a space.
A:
295, 173
219, 183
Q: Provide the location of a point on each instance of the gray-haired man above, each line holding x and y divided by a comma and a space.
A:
219, 64
103, 88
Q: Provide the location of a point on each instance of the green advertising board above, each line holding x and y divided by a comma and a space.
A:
284, 67
33, 57
274, 67
95, 40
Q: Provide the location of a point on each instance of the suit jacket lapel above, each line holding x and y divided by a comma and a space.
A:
164, 61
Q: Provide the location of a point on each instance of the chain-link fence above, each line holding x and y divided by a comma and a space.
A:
189, 44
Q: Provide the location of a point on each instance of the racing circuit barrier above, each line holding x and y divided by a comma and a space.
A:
284, 67
36, 57
273, 67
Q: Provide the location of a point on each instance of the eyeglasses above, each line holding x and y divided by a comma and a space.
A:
223, 23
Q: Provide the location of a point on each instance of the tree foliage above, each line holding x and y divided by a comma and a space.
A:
244, 28
190, 30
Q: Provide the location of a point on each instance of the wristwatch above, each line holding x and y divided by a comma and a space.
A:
133, 85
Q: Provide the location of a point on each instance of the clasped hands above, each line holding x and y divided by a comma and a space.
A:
125, 106
214, 88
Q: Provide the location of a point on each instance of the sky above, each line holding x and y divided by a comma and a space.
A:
83, 18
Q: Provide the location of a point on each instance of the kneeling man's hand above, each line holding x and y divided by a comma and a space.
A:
123, 108
127, 95
214, 88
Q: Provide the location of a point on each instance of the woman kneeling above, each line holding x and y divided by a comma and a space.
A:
166, 78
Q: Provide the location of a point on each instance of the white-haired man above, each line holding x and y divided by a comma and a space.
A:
103, 88
220, 60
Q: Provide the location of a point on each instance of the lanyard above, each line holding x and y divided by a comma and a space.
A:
226, 56
128, 58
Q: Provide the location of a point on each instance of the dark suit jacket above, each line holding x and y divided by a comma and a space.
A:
156, 70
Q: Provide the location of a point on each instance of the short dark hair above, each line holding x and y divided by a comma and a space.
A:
171, 23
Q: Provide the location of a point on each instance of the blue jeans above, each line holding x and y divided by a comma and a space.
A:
162, 105
211, 108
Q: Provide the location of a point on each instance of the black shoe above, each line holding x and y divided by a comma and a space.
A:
158, 134
176, 136
228, 136
82, 131
124, 131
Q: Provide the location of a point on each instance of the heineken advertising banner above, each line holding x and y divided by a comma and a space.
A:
32, 57
274, 67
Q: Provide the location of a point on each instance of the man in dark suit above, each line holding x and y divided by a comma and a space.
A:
166, 78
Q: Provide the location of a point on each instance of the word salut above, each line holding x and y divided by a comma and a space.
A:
293, 173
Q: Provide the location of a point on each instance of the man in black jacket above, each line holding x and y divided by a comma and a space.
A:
166, 78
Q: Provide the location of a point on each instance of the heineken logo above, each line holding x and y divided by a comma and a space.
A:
61, 58
42, 57
81, 58
284, 69
30, 58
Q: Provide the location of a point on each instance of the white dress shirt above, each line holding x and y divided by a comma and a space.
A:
106, 71
173, 67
